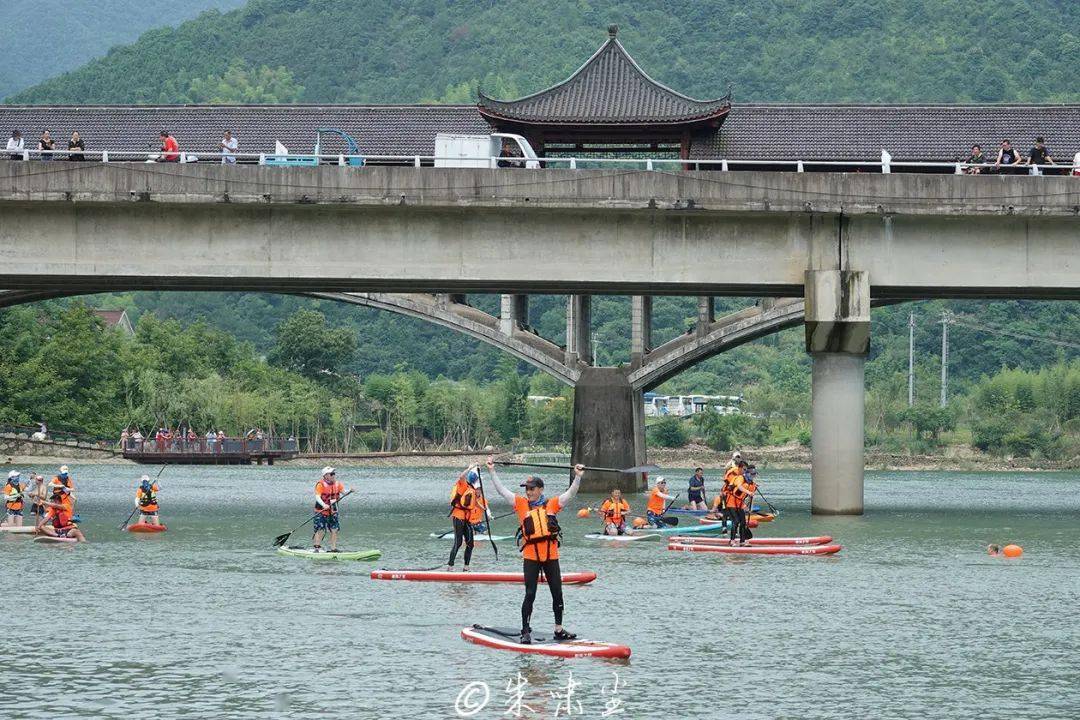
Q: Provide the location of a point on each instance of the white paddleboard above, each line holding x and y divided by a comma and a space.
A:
18, 530
622, 538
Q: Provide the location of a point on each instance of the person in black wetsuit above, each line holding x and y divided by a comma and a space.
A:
696, 493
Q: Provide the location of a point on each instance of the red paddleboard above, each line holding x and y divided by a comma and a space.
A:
754, 542
146, 528
751, 523
53, 540
568, 578
501, 639
768, 550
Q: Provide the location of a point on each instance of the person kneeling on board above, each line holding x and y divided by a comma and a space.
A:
60, 513
13, 500
539, 532
147, 501
654, 511
327, 492
614, 511
464, 500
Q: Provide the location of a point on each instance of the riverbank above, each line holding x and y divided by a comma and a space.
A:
786, 457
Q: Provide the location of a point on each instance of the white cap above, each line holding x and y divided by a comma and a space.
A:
661, 479
327, 470
13, 474
736, 455
144, 478
63, 469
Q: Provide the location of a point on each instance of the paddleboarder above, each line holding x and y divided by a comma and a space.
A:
539, 532
654, 511
745, 494
146, 500
696, 493
13, 500
464, 500
60, 519
63, 477
327, 492
614, 511
38, 495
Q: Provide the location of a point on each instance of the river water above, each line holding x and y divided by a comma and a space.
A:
911, 620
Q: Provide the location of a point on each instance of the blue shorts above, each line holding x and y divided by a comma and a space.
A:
696, 496
15, 513
326, 522
654, 519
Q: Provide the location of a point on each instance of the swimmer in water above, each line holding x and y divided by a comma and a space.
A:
993, 550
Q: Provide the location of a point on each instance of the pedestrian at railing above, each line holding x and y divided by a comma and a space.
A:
15, 143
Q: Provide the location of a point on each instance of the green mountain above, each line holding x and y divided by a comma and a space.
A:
804, 50
38, 45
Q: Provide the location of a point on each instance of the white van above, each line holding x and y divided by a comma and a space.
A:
481, 151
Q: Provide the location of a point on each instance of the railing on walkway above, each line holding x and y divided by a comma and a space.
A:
884, 165
208, 446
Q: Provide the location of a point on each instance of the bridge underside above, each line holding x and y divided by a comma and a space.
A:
824, 244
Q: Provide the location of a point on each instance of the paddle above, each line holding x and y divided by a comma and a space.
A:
666, 520
629, 471
125, 523
490, 522
282, 539
771, 507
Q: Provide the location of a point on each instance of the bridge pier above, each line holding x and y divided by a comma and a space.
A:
609, 429
640, 329
838, 340
579, 330
514, 313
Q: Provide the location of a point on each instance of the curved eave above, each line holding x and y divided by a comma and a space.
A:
716, 116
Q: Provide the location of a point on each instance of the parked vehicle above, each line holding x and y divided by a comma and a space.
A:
452, 150
283, 157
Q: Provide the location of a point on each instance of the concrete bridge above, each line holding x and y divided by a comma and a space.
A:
414, 240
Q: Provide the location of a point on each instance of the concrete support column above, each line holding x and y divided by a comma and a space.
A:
609, 429
838, 340
640, 328
579, 329
706, 316
514, 313
451, 298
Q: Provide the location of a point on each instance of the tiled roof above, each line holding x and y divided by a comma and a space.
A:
753, 131
609, 89
908, 132
378, 130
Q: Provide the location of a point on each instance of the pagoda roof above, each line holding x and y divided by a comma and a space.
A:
609, 89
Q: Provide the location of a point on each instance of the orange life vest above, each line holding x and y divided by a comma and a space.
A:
477, 513
17, 503
615, 512
462, 500
147, 501
656, 503
539, 533
329, 493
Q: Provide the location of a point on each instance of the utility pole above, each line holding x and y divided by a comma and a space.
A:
911, 360
595, 350
944, 357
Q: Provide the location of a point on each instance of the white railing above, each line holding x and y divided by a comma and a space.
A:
885, 165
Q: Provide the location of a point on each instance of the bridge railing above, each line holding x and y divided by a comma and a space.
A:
883, 165
208, 446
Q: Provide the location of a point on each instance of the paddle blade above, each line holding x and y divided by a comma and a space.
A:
281, 539
670, 520
641, 469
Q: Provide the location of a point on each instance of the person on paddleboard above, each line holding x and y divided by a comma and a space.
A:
60, 519
614, 511
464, 501
654, 511
146, 500
540, 534
63, 477
696, 492
327, 492
744, 493
38, 495
13, 500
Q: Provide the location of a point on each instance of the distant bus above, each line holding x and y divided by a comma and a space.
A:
684, 405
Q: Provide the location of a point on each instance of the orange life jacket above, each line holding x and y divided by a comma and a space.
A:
17, 503
542, 530
656, 503
147, 501
477, 513
462, 500
615, 512
329, 494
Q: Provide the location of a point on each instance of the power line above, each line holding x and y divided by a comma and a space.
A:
956, 320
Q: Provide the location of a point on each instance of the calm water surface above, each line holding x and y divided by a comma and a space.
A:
910, 620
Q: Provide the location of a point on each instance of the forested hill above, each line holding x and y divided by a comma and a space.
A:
411, 50
45, 39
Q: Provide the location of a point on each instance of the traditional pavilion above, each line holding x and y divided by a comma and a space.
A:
609, 106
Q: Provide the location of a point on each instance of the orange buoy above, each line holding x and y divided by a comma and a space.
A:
1012, 551
639, 522
583, 513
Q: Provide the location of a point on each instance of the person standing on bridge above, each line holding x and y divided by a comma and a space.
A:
229, 146
540, 538
170, 149
1039, 155
327, 493
16, 143
1006, 156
